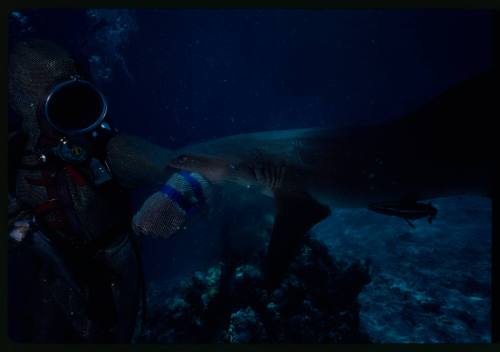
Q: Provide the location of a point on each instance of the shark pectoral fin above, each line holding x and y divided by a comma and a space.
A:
296, 214
410, 223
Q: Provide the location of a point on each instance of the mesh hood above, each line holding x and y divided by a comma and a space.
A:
34, 67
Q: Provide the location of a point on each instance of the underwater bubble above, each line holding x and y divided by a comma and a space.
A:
109, 34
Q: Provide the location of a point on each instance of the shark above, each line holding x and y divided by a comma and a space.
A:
444, 148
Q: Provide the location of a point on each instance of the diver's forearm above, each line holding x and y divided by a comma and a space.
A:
135, 161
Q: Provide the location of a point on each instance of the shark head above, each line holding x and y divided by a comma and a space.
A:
213, 169
187, 162
261, 172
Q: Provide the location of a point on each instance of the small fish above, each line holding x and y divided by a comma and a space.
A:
406, 210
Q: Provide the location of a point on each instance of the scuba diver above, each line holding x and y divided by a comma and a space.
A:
74, 271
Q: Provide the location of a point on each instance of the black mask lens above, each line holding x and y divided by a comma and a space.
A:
75, 107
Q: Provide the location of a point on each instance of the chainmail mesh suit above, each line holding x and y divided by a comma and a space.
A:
90, 289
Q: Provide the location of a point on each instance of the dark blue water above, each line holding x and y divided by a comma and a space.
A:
187, 75
176, 77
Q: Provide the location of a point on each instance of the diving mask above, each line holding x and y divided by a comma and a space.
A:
75, 106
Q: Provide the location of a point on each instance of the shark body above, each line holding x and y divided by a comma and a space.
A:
444, 148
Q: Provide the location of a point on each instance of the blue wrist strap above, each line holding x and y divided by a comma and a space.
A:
179, 199
195, 186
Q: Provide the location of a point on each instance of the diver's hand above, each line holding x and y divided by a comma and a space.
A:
21, 228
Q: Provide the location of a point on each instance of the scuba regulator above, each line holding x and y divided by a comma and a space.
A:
76, 109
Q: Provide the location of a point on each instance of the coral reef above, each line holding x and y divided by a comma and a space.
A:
431, 284
316, 302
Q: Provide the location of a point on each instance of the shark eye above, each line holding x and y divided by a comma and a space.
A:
182, 159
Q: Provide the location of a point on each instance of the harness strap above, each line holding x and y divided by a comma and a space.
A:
48, 206
75, 175
47, 180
